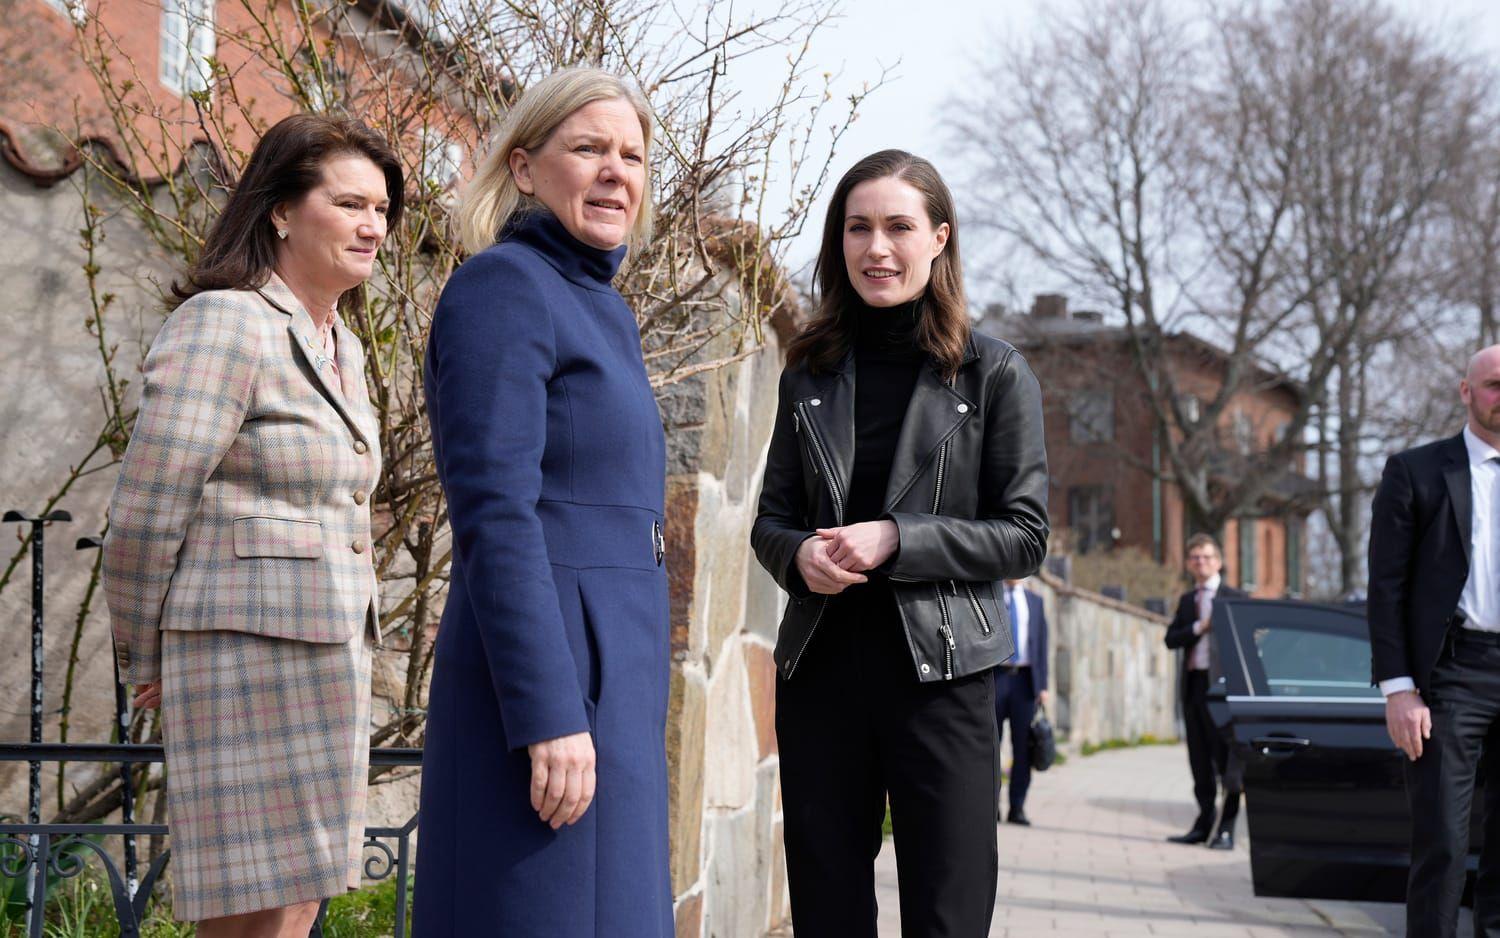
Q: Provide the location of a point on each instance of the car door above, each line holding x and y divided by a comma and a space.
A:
1324, 793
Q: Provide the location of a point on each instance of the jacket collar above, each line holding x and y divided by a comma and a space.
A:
846, 363
1460, 494
305, 339
934, 413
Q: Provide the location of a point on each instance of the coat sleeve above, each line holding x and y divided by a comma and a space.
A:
1392, 540
781, 518
1180, 631
1008, 538
1039, 669
199, 378
491, 354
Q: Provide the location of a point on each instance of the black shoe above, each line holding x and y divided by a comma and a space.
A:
1223, 840
1018, 817
1194, 836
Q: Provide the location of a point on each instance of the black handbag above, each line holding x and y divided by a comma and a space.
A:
1043, 743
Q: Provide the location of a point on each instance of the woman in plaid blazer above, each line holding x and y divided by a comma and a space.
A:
237, 563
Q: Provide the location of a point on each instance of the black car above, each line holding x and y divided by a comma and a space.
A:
1324, 793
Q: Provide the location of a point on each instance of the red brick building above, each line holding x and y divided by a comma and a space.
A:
1110, 479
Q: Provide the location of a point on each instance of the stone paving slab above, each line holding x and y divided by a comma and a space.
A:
1095, 863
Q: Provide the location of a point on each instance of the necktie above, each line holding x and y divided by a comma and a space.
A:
1010, 610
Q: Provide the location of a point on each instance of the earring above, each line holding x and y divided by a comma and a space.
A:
281, 233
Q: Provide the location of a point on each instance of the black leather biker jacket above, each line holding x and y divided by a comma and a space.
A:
967, 490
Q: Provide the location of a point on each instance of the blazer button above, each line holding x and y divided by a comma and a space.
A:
360, 447
358, 546
359, 496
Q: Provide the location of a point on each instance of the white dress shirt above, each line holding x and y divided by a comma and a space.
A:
1204, 594
1021, 624
1480, 602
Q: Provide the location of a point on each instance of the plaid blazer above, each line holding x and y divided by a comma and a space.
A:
243, 499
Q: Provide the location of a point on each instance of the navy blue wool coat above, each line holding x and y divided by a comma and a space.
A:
550, 450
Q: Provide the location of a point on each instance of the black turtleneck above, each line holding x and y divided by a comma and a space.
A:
886, 363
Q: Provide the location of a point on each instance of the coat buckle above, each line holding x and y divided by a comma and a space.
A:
658, 542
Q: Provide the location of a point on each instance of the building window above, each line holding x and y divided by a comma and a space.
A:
1190, 407
1247, 554
442, 159
187, 44
1244, 433
1091, 416
1091, 514
74, 10
1294, 556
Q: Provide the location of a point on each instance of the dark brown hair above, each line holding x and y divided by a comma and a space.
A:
1202, 540
287, 164
943, 329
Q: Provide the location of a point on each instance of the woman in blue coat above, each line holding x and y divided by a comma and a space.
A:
544, 791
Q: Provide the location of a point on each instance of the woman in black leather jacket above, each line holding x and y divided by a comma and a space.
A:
906, 475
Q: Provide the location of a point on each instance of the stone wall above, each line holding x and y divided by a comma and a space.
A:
727, 862
1112, 677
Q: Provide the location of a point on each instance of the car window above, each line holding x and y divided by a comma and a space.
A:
1302, 658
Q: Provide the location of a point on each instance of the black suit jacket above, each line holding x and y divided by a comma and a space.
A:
1420, 527
1180, 632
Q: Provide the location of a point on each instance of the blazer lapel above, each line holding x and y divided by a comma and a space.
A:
304, 338
1460, 491
934, 414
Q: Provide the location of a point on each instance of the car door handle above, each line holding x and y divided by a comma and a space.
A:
1279, 745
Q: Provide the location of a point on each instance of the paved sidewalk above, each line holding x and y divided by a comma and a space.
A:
1095, 864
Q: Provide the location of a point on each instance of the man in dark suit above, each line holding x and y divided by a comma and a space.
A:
1020, 687
1208, 751
1434, 614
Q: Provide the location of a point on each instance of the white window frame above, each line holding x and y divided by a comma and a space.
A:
442, 159
187, 42
75, 10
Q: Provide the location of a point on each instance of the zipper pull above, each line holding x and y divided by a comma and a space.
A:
947, 633
796, 421
953, 588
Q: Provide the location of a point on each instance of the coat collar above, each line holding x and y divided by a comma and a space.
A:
305, 339
933, 414
1460, 492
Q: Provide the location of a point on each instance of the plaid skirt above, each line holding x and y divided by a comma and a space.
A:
267, 750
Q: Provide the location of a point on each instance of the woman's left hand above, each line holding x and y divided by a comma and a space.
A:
147, 696
863, 546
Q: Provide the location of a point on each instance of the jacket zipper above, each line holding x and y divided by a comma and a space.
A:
820, 458
946, 631
984, 620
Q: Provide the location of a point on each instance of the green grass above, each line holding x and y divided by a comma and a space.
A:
82, 908
1089, 749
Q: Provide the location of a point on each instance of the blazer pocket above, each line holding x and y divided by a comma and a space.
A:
266, 536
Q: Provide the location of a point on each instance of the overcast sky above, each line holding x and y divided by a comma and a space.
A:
937, 42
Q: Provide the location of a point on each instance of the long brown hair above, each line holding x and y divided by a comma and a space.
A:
287, 163
943, 328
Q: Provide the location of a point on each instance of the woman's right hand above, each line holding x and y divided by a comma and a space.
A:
147, 695
562, 778
819, 571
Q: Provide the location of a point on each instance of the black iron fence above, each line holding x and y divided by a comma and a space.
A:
44, 855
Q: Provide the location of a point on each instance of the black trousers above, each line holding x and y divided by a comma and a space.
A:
1015, 703
855, 727
1464, 697
1208, 757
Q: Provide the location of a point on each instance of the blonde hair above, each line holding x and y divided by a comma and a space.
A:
492, 198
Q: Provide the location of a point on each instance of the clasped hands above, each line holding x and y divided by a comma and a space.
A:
834, 559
